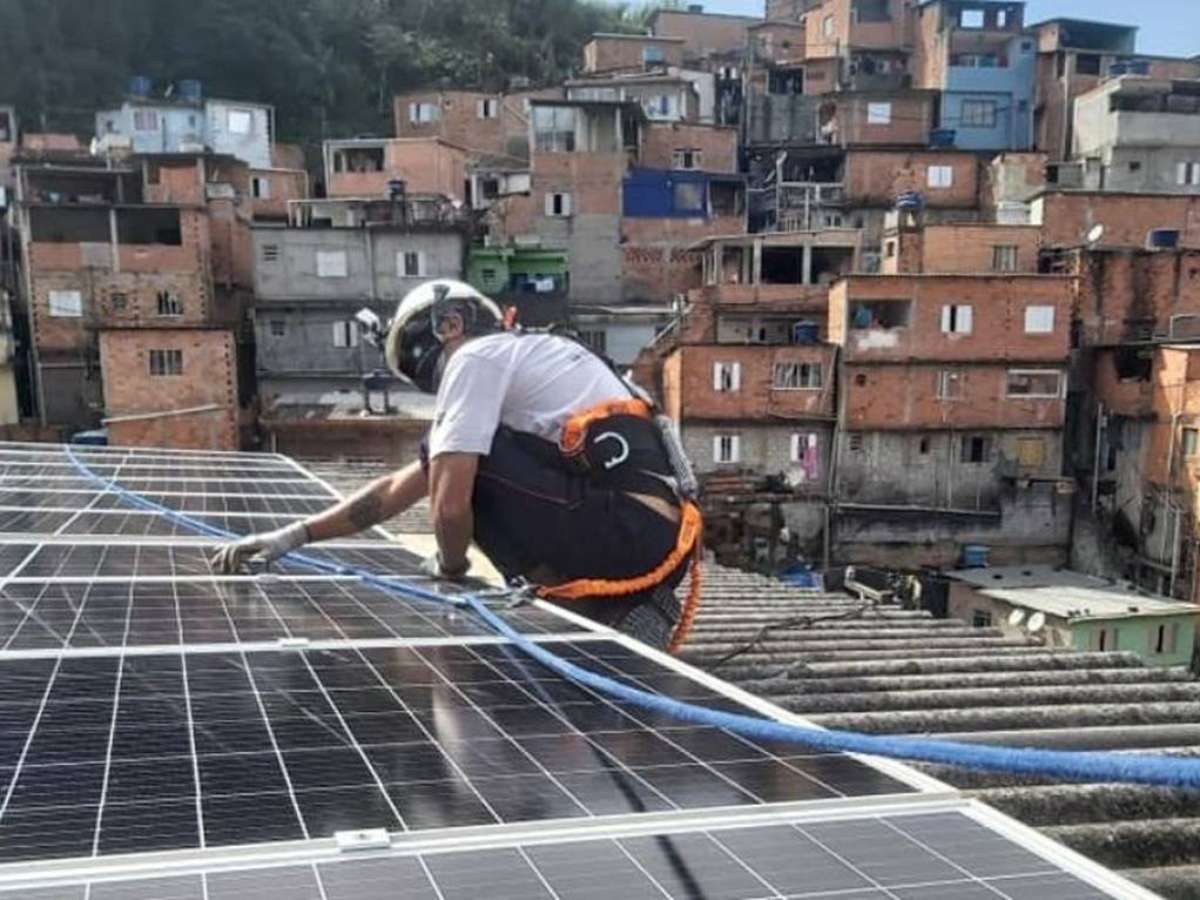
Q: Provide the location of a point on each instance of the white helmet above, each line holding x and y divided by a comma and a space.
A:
413, 349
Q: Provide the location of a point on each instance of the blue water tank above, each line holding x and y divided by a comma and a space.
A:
910, 200
805, 333
942, 137
140, 87
975, 556
190, 90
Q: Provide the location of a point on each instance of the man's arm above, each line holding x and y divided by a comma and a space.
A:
377, 502
451, 485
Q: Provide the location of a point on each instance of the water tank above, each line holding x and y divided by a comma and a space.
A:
942, 137
975, 556
140, 87
910, 200
190, 90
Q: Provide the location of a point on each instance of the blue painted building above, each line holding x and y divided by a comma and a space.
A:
682, 194
975, 53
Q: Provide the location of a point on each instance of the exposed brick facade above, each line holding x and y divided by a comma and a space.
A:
718, 145
494, 124
689, 392
706, 34
909, 118
875, 177
1067, 217
832, 28
426, 165
1134, 295
134, 397
626, 52
960, 249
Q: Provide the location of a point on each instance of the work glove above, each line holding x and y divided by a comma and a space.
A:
266, 547
434, 567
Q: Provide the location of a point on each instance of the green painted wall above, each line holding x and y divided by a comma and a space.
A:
1159, 640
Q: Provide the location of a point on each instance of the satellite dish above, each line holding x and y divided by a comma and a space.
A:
1093, 236
1036, 622
1016, 617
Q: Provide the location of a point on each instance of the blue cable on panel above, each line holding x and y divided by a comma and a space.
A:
1068, 765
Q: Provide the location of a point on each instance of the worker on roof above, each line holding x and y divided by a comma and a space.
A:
542, 455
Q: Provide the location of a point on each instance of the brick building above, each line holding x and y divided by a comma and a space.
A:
372, 167
610, 53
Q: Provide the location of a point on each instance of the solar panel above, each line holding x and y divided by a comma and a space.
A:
165, 731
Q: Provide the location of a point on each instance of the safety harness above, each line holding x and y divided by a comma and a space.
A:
626, 446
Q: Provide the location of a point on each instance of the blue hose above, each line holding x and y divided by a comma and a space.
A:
1068, 765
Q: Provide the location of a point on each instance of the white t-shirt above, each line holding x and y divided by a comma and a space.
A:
532, 383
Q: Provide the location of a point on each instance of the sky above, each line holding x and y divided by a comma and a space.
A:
1166, 27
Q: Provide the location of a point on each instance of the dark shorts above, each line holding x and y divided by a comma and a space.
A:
532, 513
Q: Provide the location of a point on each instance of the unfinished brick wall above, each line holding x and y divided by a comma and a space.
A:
998, 318
910, 120
592, 179
718, 145
875, 177
905, 396
954, 249
426, 165
1131, 295
174, 180
613, 53
1066, 218
209, 379
655, 273
282, 187
689, 391
780, 43
705, 33
462, 122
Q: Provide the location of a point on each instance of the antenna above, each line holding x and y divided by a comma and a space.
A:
1015, 618
1094, 235
1036, 622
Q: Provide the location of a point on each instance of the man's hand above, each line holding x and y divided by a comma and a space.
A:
265, 547
435, 568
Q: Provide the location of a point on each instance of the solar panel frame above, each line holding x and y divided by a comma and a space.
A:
539, 708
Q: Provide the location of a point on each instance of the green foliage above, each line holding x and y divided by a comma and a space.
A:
330, 67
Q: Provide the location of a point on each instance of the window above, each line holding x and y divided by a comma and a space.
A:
169, 304
652, 55
804, 447
278, 328
1031, 452
940, 177
240, 121
331, 263
260, 187
1034, 383
879, 114
923, 446
957, 319
889, 249
118, 301
145, 120
345, 334
688, 197
270, 252
981, 618
558, 205
978, 114
855, 443
951, 384
661, 106
727, 377
554, 129
1039, 319
66, 304
827, 26
1164, 638
423, 113
726, 448
1087, 64
1191, 442
489, 108
597, 339
1002, 18
971, 18
976, 449
166, 362
410, 264
1103, 639
797, 376
1004, 258
1188, 173
688, 158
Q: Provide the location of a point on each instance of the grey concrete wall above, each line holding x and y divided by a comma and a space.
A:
1157, 169
890, 468
292, 275
782, 117
765, 449
592, 241
306, 347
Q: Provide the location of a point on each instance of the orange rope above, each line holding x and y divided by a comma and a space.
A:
690, 607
